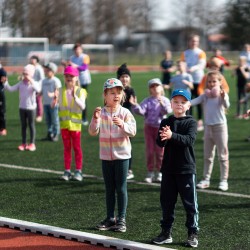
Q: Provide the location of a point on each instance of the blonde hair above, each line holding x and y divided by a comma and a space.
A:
215, 73
219, 76
108, 89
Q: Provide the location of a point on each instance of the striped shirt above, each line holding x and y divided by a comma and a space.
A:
114, 141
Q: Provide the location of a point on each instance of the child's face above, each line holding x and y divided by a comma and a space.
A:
180, 105
78, 51
33, 61
168, 55
3, 79
125, 79
155, 90
181, 66
70, 80
213, 81
25, 76
113, 97
49, 73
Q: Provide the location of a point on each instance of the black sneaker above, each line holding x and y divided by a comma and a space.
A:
120, 226
163, 237
106, 224
48, 137
192, 240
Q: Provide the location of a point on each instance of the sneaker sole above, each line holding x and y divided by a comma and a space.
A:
120, 230
203, 187
64, 179
130, 177
164, 242
77, 179
105, 228
190, 245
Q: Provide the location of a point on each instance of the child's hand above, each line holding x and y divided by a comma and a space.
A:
51, 94
117, 121
166, 86
185, 82
160, 100
97, 113
133, 100
29, 79
242, 101
165, 133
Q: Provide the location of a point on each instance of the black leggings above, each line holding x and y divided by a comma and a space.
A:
84, 112
115, 179
27, 117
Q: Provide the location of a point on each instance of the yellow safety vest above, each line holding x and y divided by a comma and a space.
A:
70, 115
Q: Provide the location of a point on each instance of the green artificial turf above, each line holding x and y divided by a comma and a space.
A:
42, 198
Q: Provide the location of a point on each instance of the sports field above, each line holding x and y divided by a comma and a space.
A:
42, 198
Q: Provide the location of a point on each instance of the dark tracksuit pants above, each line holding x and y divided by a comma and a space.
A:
171, 186
115, 179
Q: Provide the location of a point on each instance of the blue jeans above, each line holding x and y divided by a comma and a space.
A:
52, 119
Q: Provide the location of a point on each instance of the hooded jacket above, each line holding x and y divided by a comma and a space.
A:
179, 155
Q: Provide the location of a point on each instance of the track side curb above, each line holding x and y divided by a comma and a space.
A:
68, 234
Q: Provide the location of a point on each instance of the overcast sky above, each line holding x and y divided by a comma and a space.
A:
165, 16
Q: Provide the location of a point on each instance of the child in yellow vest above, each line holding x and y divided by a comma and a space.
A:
71, 100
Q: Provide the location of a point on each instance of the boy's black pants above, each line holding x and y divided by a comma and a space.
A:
171, 186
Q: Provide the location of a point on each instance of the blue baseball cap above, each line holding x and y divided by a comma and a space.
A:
182, 92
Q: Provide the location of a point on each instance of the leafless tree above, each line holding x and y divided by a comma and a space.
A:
61, 21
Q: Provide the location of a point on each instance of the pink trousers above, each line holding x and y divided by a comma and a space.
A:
154, 153
39, 102
72, 139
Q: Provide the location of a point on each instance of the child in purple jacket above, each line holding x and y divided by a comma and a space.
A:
153, 108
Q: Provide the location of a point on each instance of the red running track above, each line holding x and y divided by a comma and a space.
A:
11, 239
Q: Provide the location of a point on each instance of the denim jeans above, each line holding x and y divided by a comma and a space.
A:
52, 119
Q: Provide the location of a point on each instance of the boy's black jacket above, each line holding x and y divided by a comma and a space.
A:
179, 155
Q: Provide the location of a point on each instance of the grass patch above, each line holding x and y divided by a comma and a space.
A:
42, 198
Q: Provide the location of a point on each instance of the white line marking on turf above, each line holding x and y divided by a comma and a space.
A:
132, 181
68, 234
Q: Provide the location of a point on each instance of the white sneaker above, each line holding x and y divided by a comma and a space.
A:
203, 184
159, 177
78, 176
130, 175
223, 186
150, 177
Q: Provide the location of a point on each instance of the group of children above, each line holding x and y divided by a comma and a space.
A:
169, 138
169, 146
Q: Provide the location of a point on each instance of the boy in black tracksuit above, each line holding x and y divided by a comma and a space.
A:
177, 135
